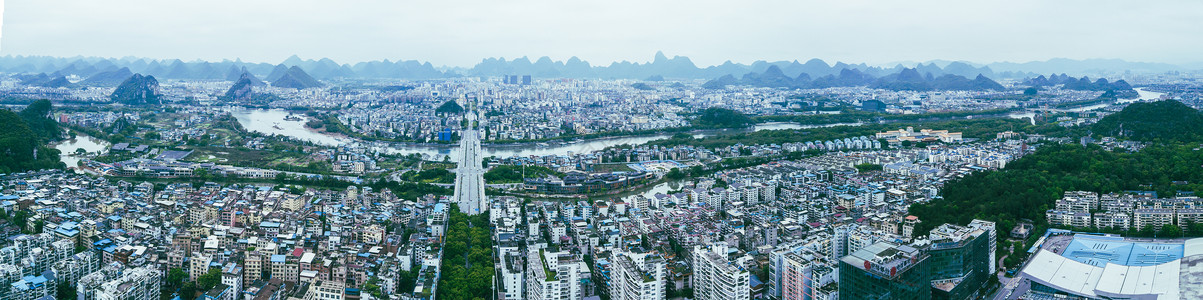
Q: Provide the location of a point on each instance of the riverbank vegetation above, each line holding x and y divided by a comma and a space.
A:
517, 174
330, 123
433, 175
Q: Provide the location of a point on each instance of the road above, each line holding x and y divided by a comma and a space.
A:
1012, 288
469, 175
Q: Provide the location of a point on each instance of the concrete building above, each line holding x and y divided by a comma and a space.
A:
715, 277
801, 271
512, 283
1113, 219
1154, 217
797, 278
637, 276
553, 276
231, 275
130, 284
199, 265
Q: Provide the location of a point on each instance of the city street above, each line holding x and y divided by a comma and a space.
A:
1012, 288
469, 174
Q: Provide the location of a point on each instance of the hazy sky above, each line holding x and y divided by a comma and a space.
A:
462, 32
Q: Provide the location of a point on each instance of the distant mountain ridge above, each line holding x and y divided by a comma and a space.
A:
661, 66
1084, 67
108, 78
1119, 88
907, 79
681, 67
45, 80
296, 78
324, 69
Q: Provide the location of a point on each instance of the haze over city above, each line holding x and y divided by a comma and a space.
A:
461, 33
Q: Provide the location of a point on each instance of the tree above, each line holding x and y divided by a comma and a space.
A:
1167, 120
188, 291
372, 287
867, 167
1193, 228
468, 273
64, 291
1170, 230
20, 140
1031, 91
209, 280
717, 117
175, 278
449, 107
675, 174
37, 116
21, 220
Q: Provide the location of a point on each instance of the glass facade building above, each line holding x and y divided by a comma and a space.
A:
886, 271
960, 261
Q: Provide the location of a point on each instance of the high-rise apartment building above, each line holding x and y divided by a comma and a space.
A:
553, 276
715, 277
638, 276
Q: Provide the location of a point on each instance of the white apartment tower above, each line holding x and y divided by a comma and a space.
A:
133, 284
717, 278
638, 276
553, 276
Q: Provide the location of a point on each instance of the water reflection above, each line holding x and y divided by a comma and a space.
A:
271, 121
67, 148
659, 188
1142, 95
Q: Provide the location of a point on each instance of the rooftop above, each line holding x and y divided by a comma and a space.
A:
1100, 266
1101, 250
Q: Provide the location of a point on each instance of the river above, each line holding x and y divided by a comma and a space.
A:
1142, 95
649, 192
271, 121
68, 147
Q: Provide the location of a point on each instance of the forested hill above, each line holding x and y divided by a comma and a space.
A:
1167, 120
23, 138
1029, 186
138, 90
